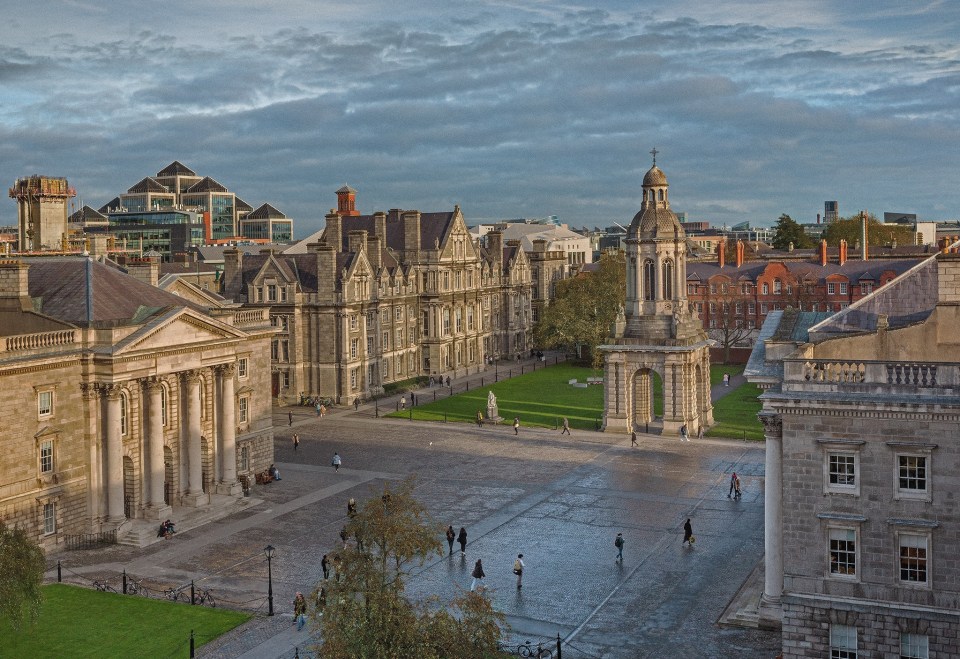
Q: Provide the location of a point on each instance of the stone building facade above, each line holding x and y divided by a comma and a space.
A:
123, 401
658, 332
861, 415
384, 298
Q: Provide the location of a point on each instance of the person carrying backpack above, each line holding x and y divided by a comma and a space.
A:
618, 543
518, 570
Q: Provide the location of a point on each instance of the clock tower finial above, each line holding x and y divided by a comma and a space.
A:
654, 152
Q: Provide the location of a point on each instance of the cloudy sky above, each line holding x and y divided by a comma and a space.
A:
510, 108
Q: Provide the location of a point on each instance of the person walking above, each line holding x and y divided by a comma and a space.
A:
736, 488
516, 425
477, 575
403, 402
633, 438
518, 566
343, 536
451, 536
336, 462
323, 410
325, 566
296, 442
700, 433
479, 419
733, 483
317, 408
618, 543
448, 380
300, 611
462, 539
683, 433
289, 418
726, 379
688, 538
566, 426
356, 403
352, 508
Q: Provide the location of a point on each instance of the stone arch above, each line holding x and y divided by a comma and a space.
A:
645, 404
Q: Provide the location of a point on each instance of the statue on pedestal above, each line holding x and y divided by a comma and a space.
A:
492, 413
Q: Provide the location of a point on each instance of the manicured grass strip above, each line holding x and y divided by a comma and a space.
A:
79, 622
736, 414
540, 398
717, 371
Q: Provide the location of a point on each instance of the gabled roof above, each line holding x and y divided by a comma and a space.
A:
113, 203
433, 226
346, 188
176, 168
266, 212
207, 184
853, 270
89, 293
241, 204
148, 184
87, 214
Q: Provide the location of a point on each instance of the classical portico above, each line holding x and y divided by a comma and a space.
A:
657, 333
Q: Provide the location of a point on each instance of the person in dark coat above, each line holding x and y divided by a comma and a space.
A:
687, 533
462, 539
325, 566
451, 536
477, 575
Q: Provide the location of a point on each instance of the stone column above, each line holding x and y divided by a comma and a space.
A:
155, 508
95, 493
773, 516
195, 495
228, 431
113, 455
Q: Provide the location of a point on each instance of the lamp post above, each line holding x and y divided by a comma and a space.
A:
268, 550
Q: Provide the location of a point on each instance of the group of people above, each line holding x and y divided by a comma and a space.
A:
478, 574
167, 529
438, 381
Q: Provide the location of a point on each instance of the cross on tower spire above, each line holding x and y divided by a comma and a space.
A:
654, 152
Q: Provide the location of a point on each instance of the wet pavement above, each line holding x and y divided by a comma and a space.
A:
559, 500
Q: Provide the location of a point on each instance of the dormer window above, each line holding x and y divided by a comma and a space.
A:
271, 292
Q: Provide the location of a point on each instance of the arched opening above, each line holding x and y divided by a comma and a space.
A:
659, 195
129, 485
168, 475
667, 280
649, 280
647, 402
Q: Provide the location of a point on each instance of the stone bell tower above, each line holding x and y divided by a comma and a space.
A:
658, 333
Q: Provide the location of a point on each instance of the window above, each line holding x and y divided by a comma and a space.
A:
425, 324
713, 307
353, 321
46, 457
842, 469
283, 295
458, 319
766, 288
777, 287
123, 413
752, 308
913, 558
244, 458
649, 280
446, 322
763, 307
45, 404
354, 377
912, 475
831, 288
275, 350
843, 288
713, 289
369, 320
49, 518
271, 292
354, 348
867, 289
385, 341
667, 280
369, 345
242, 368
164, 404
470, 319
243, 409
398, 313
914, 646
739, 308
399, 337
843, 642
843, 551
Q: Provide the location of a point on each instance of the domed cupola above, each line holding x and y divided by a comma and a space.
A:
655, 219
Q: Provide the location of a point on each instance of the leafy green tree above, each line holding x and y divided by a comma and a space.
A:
366, 613
789, 231
21, 575
878, 234
585, 307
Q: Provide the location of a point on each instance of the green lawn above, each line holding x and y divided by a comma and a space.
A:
717, 371
540, 398
736, 414
79, 622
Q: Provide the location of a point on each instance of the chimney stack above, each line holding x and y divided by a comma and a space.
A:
495, 246
722, 252
326, 273
823, 252
380, 226
357, 241
865, 254
411, 235
373, 253
232, 273
818, 218
843, 252
14, 286
740, 248
333, 233
146, 269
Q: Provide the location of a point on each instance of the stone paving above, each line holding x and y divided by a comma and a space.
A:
558, 500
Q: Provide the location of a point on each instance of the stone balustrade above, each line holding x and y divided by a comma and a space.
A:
933, 375
251, 317
39, 340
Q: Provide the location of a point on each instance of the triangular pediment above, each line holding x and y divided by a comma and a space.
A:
271, 269
182, 328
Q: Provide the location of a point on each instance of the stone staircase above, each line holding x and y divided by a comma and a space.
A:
143, 532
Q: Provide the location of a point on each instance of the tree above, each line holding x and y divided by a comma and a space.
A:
878, 234
21, 575
585, 308
789, 231
367, 613
727, 324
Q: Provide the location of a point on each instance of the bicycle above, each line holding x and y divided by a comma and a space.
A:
176, 594
103, 586
137, 588
537, 652
205, 597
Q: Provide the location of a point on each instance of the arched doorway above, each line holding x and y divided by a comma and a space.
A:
168, 476
129, 483
646, 399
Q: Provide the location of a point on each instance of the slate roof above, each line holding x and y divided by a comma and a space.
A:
148, 184
346, 188
854, 270
176, 168
113, 203
266, 212
432, 228
207, 184
88, 293
87, 214
242, 205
